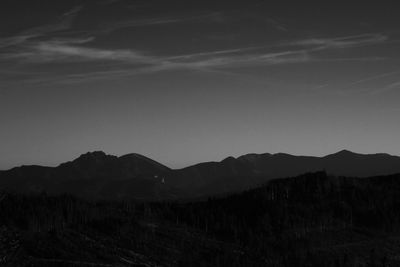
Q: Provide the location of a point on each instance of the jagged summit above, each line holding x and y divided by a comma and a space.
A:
95, 156
89, 160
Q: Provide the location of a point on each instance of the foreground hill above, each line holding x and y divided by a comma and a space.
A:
96, 175
309, 220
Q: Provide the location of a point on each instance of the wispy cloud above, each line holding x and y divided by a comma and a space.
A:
215, 53
266, 58
64, 51
165, 20
64, 23
16, 40
342, 42
40, 45
69, 50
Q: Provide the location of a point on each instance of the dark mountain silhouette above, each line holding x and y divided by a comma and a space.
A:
345, 163
99, 165
93, 175
98, 175
235, 174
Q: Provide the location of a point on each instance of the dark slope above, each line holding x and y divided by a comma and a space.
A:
311, 220
97, 175
98, 164
93, 175
236, 174
203, 178
348, 163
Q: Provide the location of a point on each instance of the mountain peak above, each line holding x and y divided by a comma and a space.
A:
90, 158
139, 159
95, 155
98, 153
134, 156
229, 159
343, 153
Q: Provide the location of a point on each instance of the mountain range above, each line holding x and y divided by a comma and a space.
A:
96, 175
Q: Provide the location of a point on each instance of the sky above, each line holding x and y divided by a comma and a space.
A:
189, 81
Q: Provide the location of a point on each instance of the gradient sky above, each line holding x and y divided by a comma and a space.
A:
190, 81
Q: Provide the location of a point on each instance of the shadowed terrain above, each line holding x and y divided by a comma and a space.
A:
96, 175
309, 220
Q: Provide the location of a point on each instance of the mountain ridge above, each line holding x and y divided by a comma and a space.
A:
99, 175
227, 157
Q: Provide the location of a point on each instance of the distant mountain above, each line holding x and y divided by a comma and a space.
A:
342, 163
98, 175
99, 165
236, 174
347, 163
93, 175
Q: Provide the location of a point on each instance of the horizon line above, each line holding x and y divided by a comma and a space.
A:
133, 153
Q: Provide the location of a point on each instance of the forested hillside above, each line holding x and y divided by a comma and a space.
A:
309, 220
